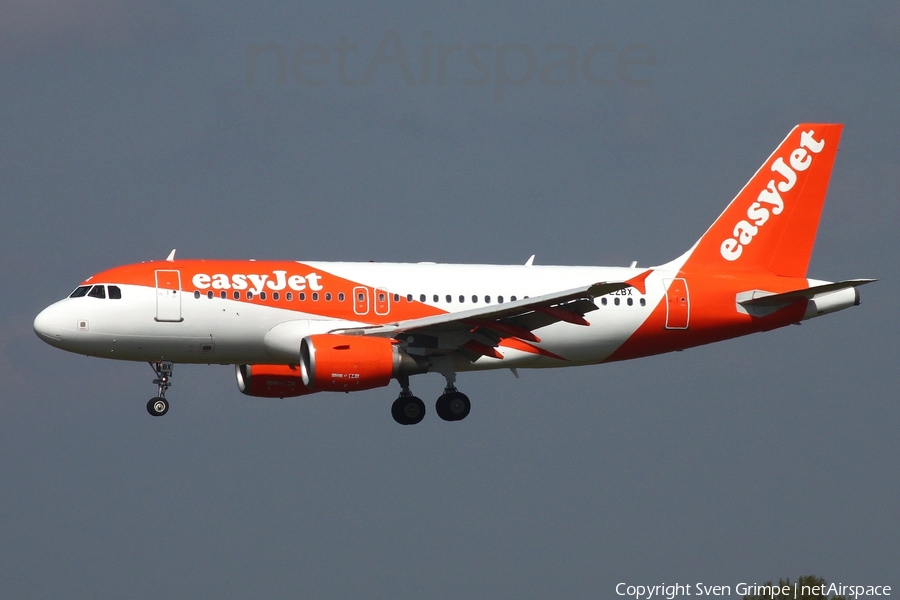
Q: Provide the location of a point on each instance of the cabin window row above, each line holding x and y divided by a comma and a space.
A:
449, 298
617, 301
289, 296
302, 296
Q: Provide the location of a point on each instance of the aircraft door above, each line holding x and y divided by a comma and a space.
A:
678, 304
361, 300
168, 296
382, 301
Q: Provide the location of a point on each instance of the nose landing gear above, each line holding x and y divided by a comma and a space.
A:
159, 406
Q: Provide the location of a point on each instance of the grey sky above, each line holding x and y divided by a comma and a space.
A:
128, 131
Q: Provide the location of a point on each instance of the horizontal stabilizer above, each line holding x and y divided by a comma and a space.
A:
759, 303
758, 298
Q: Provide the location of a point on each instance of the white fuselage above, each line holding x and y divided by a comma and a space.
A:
228, 331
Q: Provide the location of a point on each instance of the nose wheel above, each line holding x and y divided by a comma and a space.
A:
159, 406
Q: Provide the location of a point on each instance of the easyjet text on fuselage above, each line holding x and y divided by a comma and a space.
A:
274, 281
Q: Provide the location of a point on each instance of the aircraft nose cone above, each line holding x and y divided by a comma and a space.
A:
47, 325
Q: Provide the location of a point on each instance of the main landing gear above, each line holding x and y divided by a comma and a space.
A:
453, 405
159, 406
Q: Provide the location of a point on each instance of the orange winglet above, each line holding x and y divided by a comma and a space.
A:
507, 328
482, 349
563, 315
639, 281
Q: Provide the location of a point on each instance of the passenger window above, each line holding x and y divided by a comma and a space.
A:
616, 301
421, 297
512, 298
249, 295
409, 297
315, 296
396, 297
643, 302
603, 301
435, 297
500, 299
236, 295
275, 295
262, 295
196, 294
462, 299
341, 297
80, 291
474, 299
209, 294
115, 293
449, 298
327, 296
289, 296
630, 302
301, 296
487, 299
223, 294
97, 292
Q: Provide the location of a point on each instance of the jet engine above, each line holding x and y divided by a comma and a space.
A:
345, 363
271, 381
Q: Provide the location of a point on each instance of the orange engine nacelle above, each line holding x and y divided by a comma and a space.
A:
345, 363
271, 381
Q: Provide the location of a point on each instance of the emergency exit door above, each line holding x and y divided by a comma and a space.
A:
678, 304
361, 300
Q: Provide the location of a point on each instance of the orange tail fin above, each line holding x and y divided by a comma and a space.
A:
771, 224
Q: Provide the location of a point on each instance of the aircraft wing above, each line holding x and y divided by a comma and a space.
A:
477, 331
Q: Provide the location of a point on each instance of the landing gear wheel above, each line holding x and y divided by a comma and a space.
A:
453, 406
408, 410
158, 406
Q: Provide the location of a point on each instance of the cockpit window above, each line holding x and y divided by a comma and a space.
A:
80, 291
97, 292
114, 292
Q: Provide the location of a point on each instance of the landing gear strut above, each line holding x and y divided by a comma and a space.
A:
407, 409
159, 406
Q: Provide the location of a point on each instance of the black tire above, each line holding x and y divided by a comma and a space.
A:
158, 406
408, 410
453, 406
440, 407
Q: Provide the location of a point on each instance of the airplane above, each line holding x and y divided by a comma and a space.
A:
293, 328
